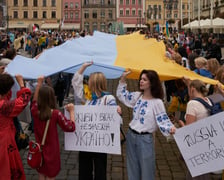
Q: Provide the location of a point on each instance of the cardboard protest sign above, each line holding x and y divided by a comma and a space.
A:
97, 130
202, 145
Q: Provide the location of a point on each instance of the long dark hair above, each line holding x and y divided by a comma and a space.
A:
46, 101
155, 84
6, 82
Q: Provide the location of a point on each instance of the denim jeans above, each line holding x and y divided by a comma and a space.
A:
140, 156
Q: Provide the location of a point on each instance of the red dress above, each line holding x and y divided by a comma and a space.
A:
51, 148
12, 167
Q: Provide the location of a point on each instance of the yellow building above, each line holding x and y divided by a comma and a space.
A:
22, 14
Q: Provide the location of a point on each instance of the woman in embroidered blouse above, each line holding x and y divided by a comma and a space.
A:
148, 114
12, 167
98, 85
43, 108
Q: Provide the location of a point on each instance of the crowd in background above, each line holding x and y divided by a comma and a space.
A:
200, 53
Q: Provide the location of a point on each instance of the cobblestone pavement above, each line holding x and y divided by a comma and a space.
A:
169, 166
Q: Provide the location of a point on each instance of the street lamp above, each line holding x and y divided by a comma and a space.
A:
141, 19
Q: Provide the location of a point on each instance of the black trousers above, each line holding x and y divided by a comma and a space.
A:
89, 161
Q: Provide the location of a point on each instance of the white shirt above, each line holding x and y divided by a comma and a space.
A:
148, 115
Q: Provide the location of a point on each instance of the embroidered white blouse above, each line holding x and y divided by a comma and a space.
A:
147, 114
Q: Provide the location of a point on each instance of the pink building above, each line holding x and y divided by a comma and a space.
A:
71, 15
131, 13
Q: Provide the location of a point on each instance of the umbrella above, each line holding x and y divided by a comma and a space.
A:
111, 54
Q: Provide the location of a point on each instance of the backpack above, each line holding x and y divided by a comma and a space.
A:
214, 109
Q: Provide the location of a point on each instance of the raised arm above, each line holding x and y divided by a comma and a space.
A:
40, 81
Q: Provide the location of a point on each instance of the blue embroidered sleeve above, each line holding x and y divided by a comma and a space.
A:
162, 119
126, 97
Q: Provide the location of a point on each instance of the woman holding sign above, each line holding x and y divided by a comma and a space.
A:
97, 85
148, 114
195, 111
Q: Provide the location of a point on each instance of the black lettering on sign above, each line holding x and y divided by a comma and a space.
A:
206, 157
200, 135
94, 138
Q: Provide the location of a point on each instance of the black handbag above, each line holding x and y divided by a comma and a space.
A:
22, 140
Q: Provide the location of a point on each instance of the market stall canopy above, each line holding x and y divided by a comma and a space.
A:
111, 54
205, 24
192, 25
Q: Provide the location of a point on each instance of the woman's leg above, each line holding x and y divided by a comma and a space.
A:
146, 156
85, 166
133, 167
100, 166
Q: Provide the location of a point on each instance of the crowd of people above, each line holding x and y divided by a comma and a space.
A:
156, 104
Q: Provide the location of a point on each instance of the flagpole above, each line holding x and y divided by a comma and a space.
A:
181, 14
189, 13
211, 12
199, 10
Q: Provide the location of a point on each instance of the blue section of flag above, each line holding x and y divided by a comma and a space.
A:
68, 57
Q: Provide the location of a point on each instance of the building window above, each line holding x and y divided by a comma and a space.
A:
94, 26
139, 2
76, 5
66, 15
44, 15
53, 14
25, 14
15, 2
86, 14
175, 6
175, 15
102, 27
86, 26
66, 5
71, 15
121, 12
95, 14
35, 14
109, 2
127, 12
102, 2
127, 2
76, 15
44, 3
53, 3
35, 3
133, 12
86, 2
110, 14
133, 1
102, 13
71, 5
25, 2
139, 13
121, 2
15, 14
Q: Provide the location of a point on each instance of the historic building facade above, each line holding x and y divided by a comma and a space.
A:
97, 14
71, 15
23, 14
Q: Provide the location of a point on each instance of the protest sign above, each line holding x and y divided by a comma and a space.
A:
97, 130
201, 144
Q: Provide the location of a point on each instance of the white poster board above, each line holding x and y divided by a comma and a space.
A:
97, 130
202, 144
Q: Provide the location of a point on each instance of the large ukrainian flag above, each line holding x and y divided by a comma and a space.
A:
111, 55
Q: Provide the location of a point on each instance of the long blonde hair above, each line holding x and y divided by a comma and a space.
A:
97, 83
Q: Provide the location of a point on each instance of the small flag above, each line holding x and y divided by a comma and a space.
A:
35, 28
167, 29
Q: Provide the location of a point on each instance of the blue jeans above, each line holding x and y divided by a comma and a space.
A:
140, 156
